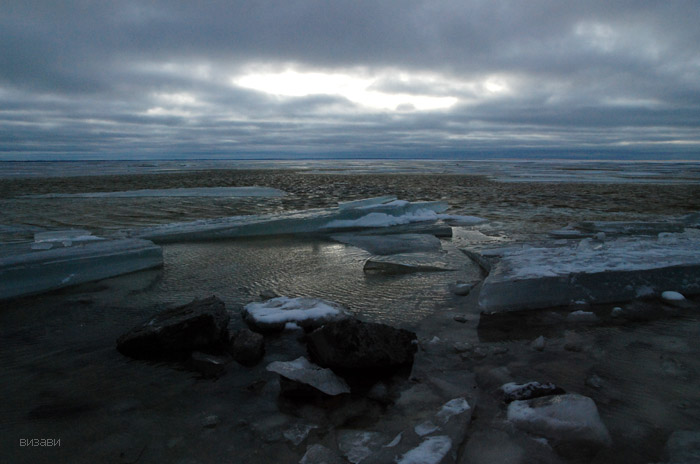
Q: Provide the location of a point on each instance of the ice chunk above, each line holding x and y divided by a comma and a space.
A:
301, 370
452, 408
617, 270
24, 271
672, 296
274, 314
431, 451
357, 445
297, 433
567, 418
391, 244
425, 428
175, 192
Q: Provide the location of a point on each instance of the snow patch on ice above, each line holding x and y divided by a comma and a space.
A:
286, 310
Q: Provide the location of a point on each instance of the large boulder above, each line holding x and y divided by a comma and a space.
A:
201, 325
247, 347
353, 346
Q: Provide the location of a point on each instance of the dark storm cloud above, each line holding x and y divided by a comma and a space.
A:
158, 78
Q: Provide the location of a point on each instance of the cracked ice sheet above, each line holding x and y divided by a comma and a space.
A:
592, 271
266, 192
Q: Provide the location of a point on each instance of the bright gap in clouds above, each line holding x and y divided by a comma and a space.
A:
356, 89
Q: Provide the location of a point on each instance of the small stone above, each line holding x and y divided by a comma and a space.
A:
594, 382
538, 344
268, 294
462, 347
573, 341
513, 391
582, 316
460, 318
616, 312
461, 288
211, 421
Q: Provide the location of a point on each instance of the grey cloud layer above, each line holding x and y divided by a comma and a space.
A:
81, 77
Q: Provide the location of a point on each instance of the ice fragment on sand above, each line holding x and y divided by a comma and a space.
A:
425, 428
452, 408
672, 296
431, 451
303, 371
567, 418
357, 445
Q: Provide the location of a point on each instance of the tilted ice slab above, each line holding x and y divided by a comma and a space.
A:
175, 192
302, 370
383, 212
391, 244
592, 271
25, 271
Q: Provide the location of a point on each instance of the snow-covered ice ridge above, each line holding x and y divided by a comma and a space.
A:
593, 271
267, 192
61, 259
361, 214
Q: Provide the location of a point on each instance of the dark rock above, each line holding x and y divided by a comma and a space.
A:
268, 294
176, 332
354, 347
208, 365
247, 347
530, 390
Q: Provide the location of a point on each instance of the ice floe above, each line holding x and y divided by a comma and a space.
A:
375, 213
26, 270
278, 313
174, 192
549, 275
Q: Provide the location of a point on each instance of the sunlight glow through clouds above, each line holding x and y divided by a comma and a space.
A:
356, 89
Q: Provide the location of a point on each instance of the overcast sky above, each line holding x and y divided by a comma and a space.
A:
261, 78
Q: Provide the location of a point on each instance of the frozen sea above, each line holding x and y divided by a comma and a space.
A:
66, 380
